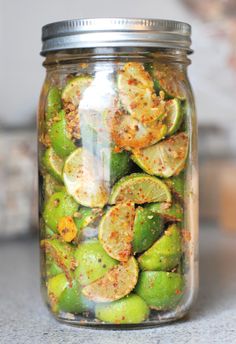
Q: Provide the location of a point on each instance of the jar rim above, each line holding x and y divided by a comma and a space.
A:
115, 32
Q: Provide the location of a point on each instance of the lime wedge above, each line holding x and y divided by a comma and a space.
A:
53, 163
82, 180
55, 287
54, 104
176, 185
174, 115
116, 231
140, 188
137, 94
74, 89
129, 310
170, 212
160, 290
164, 159
148, 227
129, 133
59, 136
50, 186
115, 284
165, 254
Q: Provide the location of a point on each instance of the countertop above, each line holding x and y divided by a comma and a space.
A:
25, 320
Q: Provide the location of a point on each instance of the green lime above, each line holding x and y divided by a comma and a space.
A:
139, 188
148, 227
52, 269
50, 186
129, 310
55, 286
170, 212
129, 133
53, 163
74, 89
174, 115
82, 181
115, 284
71, 300
164, 159
116, 231
61, 253
60, 204
176, 185
92, 262
53, 105
165, 253
60, 138
137, 94
160, 290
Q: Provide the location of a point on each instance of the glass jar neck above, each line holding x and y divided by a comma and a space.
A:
168, 56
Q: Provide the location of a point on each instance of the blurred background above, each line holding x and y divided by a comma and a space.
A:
212, 74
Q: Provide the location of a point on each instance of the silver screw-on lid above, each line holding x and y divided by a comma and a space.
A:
115, 32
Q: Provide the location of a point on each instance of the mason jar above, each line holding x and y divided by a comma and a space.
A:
118, 178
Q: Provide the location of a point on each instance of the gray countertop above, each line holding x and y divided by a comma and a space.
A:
24, 318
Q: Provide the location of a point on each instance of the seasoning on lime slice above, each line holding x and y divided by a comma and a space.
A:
174, 115
139, 188
129, 310
148, 227
61, 253
129, 133
54, 104
92, 262
71, 300
82, 181
170, 212
116, 231
60, 138
60, 204
176, 185
137, 94
165, 254
164, 159
115, 284
55, 286
74, 89
160, 290
85, 216
53, 163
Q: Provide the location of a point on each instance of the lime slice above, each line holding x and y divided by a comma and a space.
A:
170, 212
176, 185
129, 310
56, 285
86, 216
137, 94
93, 262
53, 163
59, 136
82, 180
148, 227
60, 204
140, 188
61, 253
115, 284
165, 254
54, 104
74, 89
169, 79
71, 300
129, 133
160, 290
116, 231
174, 115
164, 159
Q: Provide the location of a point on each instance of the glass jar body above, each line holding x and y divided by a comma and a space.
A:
118, 186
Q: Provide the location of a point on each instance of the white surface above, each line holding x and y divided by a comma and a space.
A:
25, 320
20, 63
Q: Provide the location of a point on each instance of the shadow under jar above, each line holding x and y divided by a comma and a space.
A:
118, 176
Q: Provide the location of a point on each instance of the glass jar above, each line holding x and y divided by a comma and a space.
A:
118, 172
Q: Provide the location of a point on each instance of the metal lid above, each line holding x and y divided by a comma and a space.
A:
115, 32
